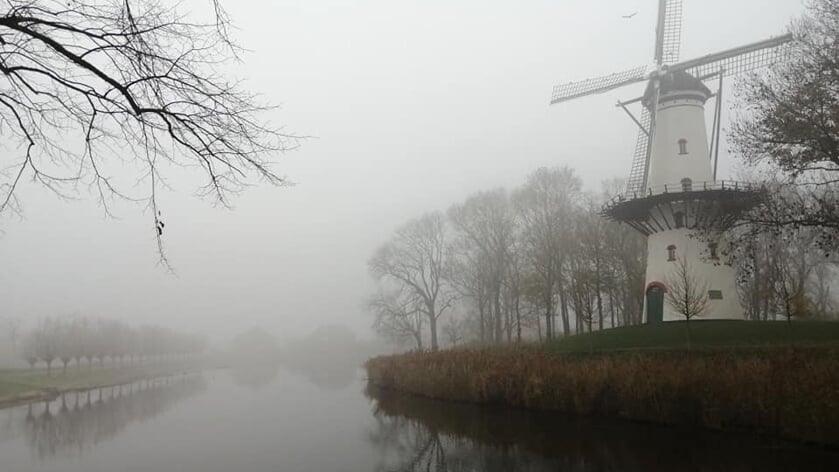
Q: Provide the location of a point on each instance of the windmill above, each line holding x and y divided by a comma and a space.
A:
672, 190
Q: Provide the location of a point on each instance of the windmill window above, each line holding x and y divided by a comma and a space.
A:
683, 147
687, 185
679, 217
712, 249
671, 253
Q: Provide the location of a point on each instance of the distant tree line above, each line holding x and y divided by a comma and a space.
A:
501, 266
88, 341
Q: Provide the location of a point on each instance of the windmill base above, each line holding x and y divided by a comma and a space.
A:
712, 277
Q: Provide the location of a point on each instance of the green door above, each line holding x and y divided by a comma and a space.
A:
655, 304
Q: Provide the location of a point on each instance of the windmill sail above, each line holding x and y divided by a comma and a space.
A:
602, 84
739, 60
637, 174
668, 31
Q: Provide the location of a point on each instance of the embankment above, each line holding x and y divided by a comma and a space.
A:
789, 392
25, 385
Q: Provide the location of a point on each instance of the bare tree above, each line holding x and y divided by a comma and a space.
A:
789, 122
544, 206
686, 293
66, 338
137, 83
584, 290
398, 315
823, 291
591, 244
514, 295
467, 276
626, 260
781, 271
756, 262
13, 325
29, 352
485, 226
45, 341
453, 330
416, 260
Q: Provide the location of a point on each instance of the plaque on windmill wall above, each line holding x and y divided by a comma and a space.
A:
715, 294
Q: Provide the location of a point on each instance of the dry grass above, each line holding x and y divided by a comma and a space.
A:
788, 392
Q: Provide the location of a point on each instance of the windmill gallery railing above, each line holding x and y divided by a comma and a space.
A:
711, 204
693, 188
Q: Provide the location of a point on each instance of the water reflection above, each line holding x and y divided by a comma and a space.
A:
257, 373
417, 434
254, 375
326, 376
76, 422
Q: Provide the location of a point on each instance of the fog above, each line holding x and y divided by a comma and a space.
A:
410, 107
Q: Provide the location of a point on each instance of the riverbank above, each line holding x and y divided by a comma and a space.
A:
786, 390
27, 385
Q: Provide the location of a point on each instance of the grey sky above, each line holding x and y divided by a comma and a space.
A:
415, 105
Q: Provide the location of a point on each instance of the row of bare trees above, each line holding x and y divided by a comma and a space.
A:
785, 274
87, 340
502, 266
541, 261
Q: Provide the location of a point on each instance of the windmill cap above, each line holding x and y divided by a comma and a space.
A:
674, 83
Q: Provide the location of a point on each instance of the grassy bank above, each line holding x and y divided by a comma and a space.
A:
705, 335
22, 385
785, 389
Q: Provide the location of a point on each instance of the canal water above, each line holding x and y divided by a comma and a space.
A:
274, 420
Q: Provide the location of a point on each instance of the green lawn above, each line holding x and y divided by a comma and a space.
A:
705, 334
9, 389
14, 382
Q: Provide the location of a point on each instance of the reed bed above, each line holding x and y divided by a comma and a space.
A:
790, 392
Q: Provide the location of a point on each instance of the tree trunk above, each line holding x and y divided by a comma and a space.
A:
499, 335
481, 316
508, 322
563, 309
432, 326
599, 295
548, 320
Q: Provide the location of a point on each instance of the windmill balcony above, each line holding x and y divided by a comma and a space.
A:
709, 204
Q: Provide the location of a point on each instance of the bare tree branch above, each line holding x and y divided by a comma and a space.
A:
88, 83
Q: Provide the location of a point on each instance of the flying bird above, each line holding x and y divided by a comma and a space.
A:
626, 17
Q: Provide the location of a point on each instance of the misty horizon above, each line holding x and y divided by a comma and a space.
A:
411, 107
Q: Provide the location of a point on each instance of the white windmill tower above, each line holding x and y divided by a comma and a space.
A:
672, 191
